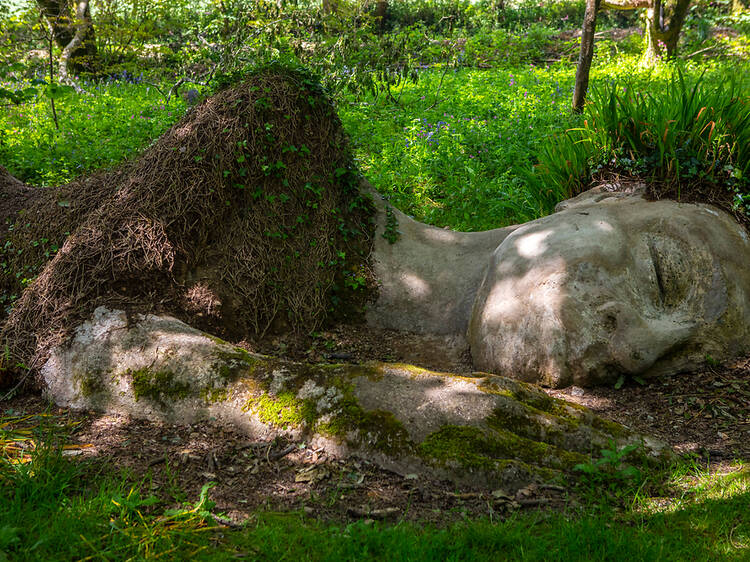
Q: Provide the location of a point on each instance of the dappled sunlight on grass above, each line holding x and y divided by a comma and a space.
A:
459, 149
98, 129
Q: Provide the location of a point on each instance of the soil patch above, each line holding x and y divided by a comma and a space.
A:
357, 343
705, 413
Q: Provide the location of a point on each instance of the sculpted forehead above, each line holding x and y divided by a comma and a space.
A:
583, 236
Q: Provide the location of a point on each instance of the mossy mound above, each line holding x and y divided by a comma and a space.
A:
244, 215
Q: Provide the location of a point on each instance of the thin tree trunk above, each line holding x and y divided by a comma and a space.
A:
330, 6
381, 13
587, 54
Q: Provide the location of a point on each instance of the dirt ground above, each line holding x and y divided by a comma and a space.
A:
706, 414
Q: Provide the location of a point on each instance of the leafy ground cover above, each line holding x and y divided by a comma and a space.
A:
457, 149
98, 129
461, 150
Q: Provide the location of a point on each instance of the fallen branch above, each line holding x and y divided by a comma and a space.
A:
374, 513
284, 452
711, 48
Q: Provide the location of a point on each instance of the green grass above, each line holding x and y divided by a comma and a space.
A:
466, 162
462, 162
98, 129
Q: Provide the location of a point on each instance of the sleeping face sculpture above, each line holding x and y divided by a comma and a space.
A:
619, 286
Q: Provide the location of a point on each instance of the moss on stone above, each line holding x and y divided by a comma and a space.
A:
525, 393
609, 427
476, 448
516, 466
235, 363
462, 444
343, 418
282, 410
349, 422
214, 395
377, 429
157, 385
89, 383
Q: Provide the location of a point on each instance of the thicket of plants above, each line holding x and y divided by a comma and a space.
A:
689, 141
450, 104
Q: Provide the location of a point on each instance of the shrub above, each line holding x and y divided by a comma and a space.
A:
690, 141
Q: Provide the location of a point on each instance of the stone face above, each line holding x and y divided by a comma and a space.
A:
614, 285
475, 430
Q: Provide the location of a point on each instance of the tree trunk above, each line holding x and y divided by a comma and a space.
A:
381, 13
82, 54
587, 54
330, 6
83, 30
664, 22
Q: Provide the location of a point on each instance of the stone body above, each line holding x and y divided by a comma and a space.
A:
429, 277
475, 430
609, 285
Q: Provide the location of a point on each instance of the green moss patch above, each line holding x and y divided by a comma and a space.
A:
89, 383
282, 410
377, 429
472, 447
235, 363
157, 385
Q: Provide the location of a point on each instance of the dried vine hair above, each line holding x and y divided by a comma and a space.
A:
244, 215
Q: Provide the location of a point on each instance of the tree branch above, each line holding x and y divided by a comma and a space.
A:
625, 4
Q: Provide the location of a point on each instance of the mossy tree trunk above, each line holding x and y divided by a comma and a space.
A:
73, 33
664, 21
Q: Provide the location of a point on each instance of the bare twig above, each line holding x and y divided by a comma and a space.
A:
157, 460
225, 521
440, 85
711, 48
373, 513
284, 452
